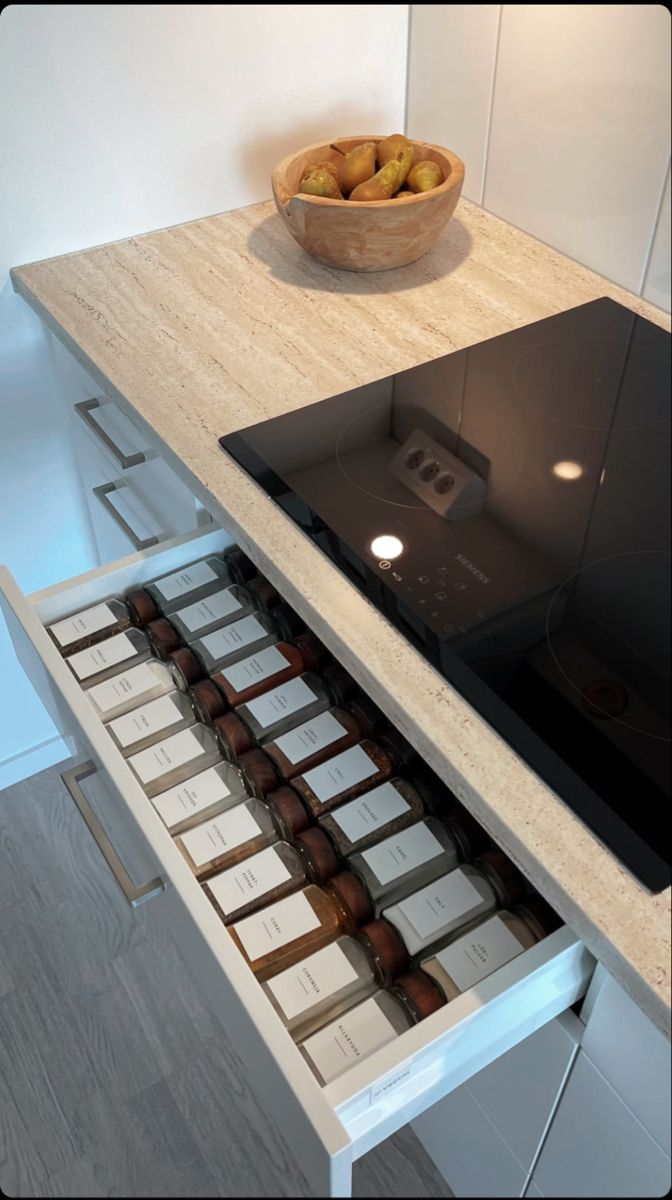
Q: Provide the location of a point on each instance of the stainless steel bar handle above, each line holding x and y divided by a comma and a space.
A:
85, 409
135, 895
101, 493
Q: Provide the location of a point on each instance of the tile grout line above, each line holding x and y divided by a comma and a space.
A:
654, 230
488, 132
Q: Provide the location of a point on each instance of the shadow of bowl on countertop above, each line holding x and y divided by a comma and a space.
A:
270, 243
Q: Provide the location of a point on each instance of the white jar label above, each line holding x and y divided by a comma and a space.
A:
232, 637
338, 774
173, 587
311, 737
127, 685
290, 697
249, 880
106, 654
79, 625
312, 980
146, 720
221, 834
165, 756
441, 903
402, 852
349, 1038
478, 953
256, 668
183, 802
276, 925
205, 612
370, 812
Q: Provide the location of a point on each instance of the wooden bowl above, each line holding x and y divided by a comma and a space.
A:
358, 236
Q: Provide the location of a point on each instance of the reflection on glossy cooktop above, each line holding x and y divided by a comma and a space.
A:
508, 508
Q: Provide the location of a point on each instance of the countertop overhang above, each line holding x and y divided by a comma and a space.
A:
203, 328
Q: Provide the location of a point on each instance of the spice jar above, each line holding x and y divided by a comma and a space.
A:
256, 674
266, 596
129, 688
240, 566
386, 809
149, 723
281, 708
316, 989
406, 861
469, 958
464, 895
109, 657
232, 642
200, 797
193, 622
185, 586
309, 744
368, 1026
353, 771
175, 758
271, 874
284, 932
239, 832
83, 629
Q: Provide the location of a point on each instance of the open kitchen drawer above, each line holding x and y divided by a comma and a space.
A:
327, 1128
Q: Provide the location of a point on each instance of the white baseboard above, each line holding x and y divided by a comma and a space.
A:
29, 762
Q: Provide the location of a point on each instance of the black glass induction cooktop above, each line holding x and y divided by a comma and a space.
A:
508, 508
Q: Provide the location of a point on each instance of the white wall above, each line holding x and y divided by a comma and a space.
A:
118, 119
562, 115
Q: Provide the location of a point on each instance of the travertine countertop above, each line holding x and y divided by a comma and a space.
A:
201, 329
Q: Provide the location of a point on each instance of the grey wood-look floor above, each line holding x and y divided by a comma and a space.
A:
116, 1078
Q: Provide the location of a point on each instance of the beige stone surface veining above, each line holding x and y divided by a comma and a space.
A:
204, 328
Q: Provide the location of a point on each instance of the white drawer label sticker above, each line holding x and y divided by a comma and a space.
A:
311, 737
350, 1037
165, 756
146, 720
402, 852
205, 612
221, 834
233, 637
281, 702
256, 668
276, 926
370, 812
343, 771
127, 685
185, 801
92, 620
249, 880
98, 658
477, 954
451, 900
311, 981
173, 587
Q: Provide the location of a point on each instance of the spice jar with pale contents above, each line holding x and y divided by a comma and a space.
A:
175, 759
200, 797
311, 743
194, 621
185, 586
256, 674
126, 690
406, 861
232, 642
109, 657
149, 723
86, 628
270, 874
353, 771
240, 832
284, 932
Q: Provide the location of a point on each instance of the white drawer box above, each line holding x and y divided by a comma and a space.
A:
327, 1128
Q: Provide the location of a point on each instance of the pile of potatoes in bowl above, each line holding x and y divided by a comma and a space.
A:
370, 171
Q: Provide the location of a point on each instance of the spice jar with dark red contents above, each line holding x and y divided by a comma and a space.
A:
282, 708
255, 675
309, 744
195, 621
282, 933
271, 874
353, 771
233, 641
241, 831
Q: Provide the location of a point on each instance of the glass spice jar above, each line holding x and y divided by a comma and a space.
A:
240, 832
109, 657
267, 876
471, 957
284, 932
193, 622
353, 771
232, 642
256, 674
128, 689
86, 628
282, 708
369, 1025
185, 586
405, 862
175, 758
149, 723
200, 797
316, 989
376, 814
240, 566
309, 744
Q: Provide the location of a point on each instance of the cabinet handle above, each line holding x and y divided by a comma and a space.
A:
101, 493
135, 895
84, 409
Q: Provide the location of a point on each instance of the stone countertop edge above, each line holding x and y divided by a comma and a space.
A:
203, 328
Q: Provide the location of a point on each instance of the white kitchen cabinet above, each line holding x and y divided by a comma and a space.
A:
327, 1128
469, 1152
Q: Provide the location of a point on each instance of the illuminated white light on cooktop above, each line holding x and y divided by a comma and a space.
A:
387, 546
